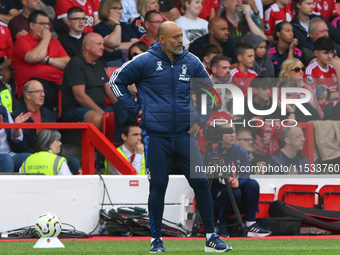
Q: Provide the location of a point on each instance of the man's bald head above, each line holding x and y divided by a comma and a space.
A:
165, 27
89, 38
217, 20
31, 85
93, 46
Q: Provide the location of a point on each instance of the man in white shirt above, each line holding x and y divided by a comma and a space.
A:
132, 148
9, 160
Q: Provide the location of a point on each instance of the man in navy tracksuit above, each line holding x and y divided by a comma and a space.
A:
170, 120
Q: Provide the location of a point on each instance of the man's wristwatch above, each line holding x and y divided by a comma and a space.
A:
289, 113
257, 13
47, 60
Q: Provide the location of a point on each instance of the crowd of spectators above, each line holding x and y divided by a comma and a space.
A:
66, 45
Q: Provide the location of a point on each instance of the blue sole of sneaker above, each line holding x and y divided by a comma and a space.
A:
213, 250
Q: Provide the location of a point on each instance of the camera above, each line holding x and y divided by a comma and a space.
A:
215, 134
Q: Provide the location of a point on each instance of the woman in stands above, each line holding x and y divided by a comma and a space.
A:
293, 112
143, 6
45, 160
285, 47
118, 36
294, 69
137, 48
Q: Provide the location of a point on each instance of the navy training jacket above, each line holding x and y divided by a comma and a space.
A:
164, 92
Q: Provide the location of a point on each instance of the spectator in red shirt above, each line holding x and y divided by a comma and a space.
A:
37, 55
208, 11
151, 24
321, 71
242, 74
6, 49
275, 14
325, 8
90, 8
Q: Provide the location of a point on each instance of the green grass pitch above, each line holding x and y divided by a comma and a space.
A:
246, 246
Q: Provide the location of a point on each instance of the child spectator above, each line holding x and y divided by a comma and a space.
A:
208, 52
275, 14
208, 9
263, 64
322, 71
242, 74
285, 47
323, 95
261, 97
192, 26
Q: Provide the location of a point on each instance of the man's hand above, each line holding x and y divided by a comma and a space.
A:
194, 128
21, 118
234, 183
247, 9
140, 148
45, 34
140, 113
133, 89
1, 119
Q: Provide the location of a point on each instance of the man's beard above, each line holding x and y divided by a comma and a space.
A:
238, 13
174, 50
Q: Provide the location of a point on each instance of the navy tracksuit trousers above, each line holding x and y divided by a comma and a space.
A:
246, 196
159, 151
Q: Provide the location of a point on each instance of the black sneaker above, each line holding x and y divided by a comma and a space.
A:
214, 244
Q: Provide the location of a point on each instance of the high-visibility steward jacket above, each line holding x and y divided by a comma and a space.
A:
142, 170
42, 162
6, 99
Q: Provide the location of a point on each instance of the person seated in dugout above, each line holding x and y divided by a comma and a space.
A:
246, 191
45, 160
288, 159
132, 148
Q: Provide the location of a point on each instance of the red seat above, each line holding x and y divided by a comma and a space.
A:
110, 70
264, 203
298, 194
330, 197
108, 125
